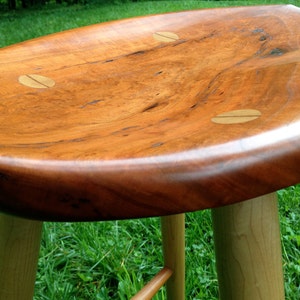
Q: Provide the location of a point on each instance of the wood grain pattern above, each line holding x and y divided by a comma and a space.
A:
19, 252
127, 129
248, 250
173, 238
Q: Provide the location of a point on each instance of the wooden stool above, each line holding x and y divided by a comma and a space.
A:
155, 116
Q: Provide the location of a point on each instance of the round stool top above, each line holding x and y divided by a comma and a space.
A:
151, 116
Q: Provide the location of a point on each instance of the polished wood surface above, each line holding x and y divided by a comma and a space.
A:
151, 116
153, 286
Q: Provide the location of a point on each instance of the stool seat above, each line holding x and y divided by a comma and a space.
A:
155, 116
127, 118
151, 116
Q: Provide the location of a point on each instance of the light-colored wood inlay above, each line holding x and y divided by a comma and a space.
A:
36, 81
165, 36
237, 116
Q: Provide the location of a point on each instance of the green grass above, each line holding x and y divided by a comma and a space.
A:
22, 25
112, 260
289, 212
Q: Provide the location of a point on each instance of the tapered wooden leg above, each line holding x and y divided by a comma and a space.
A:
19, 250
173, 229
248, 250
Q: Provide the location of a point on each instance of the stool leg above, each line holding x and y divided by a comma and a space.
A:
173, 229
19, 251
248, 250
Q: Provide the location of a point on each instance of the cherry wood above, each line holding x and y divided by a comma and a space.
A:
248, 250
126, 119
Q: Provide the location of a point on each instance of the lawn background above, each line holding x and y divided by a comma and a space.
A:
112, 260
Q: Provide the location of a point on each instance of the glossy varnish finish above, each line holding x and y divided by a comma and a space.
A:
151, 116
